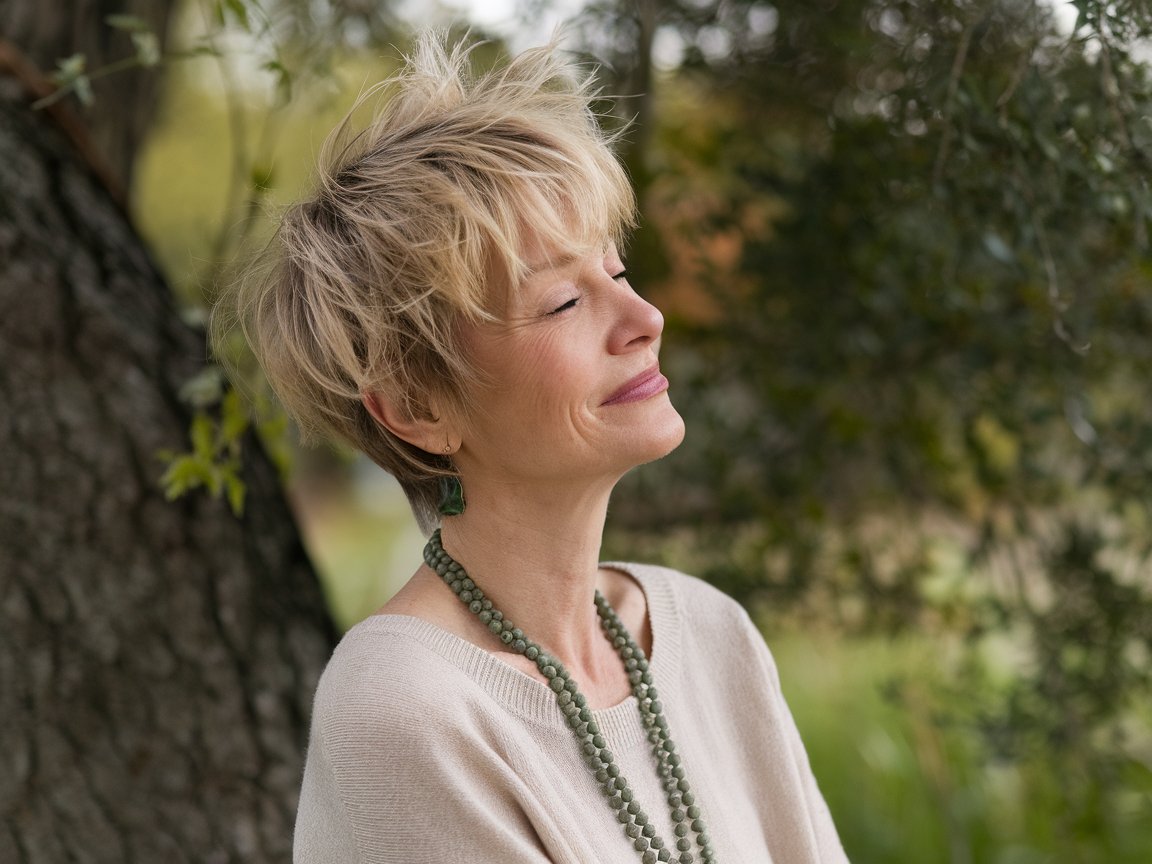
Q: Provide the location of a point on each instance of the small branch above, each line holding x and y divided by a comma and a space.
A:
38, 87
953, 85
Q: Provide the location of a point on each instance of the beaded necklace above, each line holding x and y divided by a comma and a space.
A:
685, 812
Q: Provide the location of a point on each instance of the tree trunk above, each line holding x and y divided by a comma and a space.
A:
157, 660
124, 102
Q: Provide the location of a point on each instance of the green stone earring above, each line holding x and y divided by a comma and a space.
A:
451, 496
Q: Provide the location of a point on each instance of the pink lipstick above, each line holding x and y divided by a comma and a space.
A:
645, 385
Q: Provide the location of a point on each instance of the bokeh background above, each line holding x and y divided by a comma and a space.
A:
902, 249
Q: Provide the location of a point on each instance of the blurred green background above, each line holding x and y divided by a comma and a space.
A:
903, 252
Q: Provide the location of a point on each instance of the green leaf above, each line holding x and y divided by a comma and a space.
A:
239, 12
131, 23
203, 389
203, 437
236, 491
69, 69
234, 419
83, 87
996, 247
147, 48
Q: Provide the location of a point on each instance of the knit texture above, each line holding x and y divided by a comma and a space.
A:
427, 749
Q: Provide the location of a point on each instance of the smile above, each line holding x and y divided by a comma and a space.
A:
643, 386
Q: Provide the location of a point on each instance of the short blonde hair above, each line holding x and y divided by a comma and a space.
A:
416, 225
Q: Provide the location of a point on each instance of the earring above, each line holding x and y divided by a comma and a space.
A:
451, 496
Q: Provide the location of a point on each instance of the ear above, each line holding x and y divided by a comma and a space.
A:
431, 434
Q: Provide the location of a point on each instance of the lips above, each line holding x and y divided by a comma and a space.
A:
645, 385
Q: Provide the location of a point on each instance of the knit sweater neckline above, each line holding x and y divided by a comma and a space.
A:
533, 700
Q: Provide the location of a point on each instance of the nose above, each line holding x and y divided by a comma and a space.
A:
638, 324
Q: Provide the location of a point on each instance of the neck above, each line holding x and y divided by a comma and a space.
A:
537, 557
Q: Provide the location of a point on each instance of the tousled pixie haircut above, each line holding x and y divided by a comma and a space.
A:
417, 225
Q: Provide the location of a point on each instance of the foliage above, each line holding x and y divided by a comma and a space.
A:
934, 330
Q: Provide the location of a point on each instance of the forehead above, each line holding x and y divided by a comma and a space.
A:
544, 251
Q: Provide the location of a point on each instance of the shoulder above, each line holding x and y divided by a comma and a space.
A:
687, 597
384, 680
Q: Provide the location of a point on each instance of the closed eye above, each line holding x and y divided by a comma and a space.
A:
565, 307
623, 274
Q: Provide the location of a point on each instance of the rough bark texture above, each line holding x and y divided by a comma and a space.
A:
49, 30
157, 659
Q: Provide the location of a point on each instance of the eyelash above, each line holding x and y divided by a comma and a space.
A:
623, 274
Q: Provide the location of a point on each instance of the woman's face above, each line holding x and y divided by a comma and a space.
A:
576, 392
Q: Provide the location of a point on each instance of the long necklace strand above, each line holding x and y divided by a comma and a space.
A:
684, 811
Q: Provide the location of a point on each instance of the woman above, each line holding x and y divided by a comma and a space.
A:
452, 301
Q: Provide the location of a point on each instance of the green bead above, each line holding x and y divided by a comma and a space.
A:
574, 706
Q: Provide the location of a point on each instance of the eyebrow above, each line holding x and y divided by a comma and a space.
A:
553, 263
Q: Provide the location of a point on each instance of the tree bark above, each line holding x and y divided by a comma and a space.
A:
157, 659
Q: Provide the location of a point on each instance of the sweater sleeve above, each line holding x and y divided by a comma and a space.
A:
831, 851
390, 779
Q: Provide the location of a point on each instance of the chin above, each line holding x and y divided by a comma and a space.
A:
660, 437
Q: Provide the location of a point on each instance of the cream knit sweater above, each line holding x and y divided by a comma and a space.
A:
426, 749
